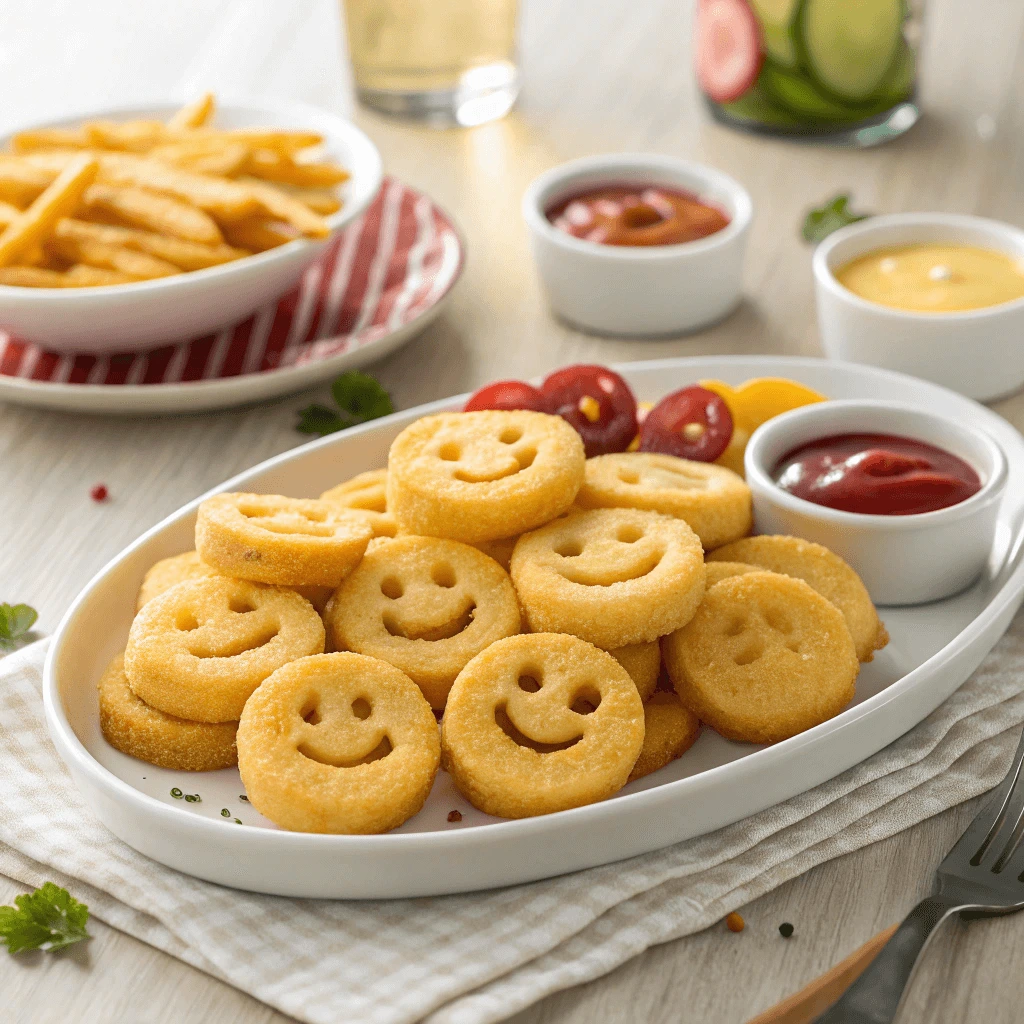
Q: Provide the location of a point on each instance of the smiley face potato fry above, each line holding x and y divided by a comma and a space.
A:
539, 723
425, 605
718, 571
167, 572
136, 729
268, 538
481, 476
338, 743
612, 576
711, 499
200, 649
825, 571
500, 550
670, 729
366, 494
764, 658
643, 663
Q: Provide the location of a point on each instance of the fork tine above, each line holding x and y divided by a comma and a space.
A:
1006, 804
1011, 846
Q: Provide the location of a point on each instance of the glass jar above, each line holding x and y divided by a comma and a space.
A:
840, 71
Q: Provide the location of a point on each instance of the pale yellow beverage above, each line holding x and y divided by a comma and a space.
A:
451, 61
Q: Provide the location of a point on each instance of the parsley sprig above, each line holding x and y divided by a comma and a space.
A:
15, 621
833, 215
49, 918
358, 397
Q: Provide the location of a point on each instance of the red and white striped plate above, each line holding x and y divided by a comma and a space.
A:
379, 283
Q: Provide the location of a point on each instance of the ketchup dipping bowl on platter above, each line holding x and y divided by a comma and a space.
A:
908, 498
638, 245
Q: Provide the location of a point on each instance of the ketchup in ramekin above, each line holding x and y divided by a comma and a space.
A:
637, 214
876, 474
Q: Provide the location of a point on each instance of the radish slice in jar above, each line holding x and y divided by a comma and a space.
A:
727, 48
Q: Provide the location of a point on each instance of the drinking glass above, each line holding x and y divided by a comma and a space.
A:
440, 61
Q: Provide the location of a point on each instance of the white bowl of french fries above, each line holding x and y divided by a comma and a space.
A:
128, 229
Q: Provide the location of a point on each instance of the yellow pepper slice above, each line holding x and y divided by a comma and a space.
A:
753, 403
645, 408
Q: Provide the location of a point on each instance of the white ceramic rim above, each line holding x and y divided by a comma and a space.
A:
371, 174
755, 467
539, 192
998, 230
271, 842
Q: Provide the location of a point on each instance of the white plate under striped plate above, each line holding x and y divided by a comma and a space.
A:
380, 283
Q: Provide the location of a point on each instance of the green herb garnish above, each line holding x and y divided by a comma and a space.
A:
15, 621
193, 798
49, 918
358, 397
177, 793
225, 813
835, 214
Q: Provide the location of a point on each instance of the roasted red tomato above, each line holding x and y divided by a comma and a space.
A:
693, 423
508, 394
597, 402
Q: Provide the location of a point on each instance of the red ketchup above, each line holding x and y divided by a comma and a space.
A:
637, 214
876, 474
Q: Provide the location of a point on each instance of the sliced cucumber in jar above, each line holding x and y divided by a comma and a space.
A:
797, 95
776, 18
758, 107
848, 46
898, 83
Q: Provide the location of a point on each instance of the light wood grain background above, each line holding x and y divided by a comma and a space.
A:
605, 75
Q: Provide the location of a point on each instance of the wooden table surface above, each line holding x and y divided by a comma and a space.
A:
615, 78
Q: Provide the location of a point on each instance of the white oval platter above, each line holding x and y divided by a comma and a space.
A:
934, 648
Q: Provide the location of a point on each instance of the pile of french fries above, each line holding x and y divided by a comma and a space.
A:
116, 202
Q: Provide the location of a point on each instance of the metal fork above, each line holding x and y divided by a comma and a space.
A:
982, 876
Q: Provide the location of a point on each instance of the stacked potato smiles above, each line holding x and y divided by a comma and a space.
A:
493, 577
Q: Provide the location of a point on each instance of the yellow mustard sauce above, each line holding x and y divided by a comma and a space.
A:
931, 278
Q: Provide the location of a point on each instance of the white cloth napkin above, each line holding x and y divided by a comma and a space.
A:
481, 957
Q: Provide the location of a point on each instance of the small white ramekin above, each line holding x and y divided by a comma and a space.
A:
639, 291
977, 352
901, 559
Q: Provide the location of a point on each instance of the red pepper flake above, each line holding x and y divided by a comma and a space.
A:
734, 922
99, 493
455, 815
